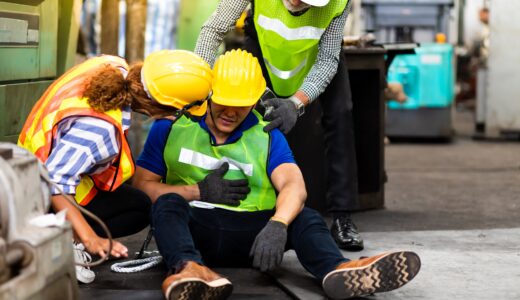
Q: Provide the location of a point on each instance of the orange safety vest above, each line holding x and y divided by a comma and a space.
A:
63, 99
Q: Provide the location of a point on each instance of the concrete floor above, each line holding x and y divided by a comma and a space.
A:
456, 205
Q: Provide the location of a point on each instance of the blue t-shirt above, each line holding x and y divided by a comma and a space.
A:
152, 157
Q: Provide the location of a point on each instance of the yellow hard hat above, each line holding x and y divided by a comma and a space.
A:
177, 78
238, 79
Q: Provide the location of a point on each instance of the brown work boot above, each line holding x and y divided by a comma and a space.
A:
196, 282
380, 273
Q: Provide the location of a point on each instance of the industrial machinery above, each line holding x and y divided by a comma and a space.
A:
35, 262
428, 80
37, 44
193, 14
428, 75
406, 20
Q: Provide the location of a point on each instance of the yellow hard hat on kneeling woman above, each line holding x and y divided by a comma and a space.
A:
178, 78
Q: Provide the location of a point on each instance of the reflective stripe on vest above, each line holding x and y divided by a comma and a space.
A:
207, 162
285, 74
290, 34
290, 43
64, 99
190, 157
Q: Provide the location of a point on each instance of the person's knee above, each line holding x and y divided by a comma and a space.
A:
169, 203
308, 218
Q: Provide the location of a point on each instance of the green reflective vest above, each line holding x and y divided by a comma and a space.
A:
190, 157
290, 43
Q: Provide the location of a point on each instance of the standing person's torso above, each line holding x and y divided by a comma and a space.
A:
289, 43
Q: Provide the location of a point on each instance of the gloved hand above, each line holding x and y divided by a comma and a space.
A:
269, 246
283, 115
215, 189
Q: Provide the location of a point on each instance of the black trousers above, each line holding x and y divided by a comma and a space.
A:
338, 127
125, 211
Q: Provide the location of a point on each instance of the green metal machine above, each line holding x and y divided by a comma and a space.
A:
193, 14
37, 44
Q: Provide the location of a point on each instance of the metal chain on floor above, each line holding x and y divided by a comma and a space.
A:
136, 265
139, 264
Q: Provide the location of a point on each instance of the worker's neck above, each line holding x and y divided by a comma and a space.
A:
220, 137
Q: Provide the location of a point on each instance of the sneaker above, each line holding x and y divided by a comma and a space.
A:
345, 234
196, 282
83, 274
380, 273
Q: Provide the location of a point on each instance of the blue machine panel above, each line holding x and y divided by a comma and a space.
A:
427, 77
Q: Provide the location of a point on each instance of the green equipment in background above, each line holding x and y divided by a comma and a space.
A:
37, 44
193, 14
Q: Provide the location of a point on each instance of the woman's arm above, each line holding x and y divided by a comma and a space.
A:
84, 233
82, 145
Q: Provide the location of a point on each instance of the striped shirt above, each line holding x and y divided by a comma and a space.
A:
320, 75
83, 146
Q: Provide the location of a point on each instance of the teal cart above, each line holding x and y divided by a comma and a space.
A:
428, 81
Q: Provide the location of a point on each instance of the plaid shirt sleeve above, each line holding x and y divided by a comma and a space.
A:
327, 61
214, 30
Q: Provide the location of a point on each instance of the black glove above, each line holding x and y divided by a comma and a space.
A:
269, 246
283, 115
215, 189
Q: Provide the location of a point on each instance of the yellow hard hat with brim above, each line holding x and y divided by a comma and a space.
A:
177, 78
238, 79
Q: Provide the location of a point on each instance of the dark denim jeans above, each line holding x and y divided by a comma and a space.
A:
223, 238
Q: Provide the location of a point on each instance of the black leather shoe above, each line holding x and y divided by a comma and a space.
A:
346, 235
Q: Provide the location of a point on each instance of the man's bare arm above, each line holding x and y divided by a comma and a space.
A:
288, 181
151, 184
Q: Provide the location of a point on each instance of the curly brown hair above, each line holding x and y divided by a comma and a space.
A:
140, 101
108, 89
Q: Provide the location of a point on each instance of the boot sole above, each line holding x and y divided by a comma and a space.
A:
387, 273
196, 289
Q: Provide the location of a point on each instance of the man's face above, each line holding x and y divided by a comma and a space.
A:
225, 119
484, 15
295, 5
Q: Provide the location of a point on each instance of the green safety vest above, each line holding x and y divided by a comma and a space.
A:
190, 157
290, 43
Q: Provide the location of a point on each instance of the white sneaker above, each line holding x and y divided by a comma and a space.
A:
83, 274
